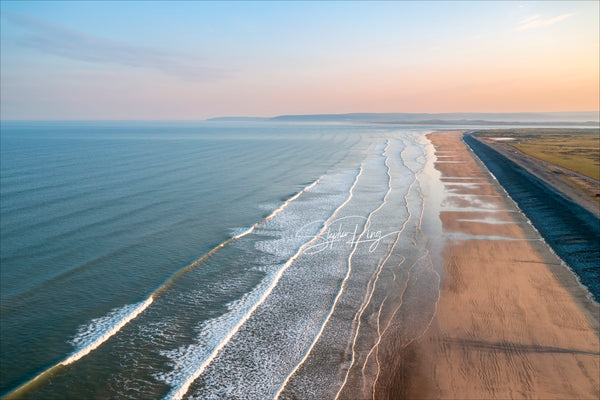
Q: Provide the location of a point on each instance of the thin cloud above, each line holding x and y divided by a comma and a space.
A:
534, 17
74, 45
537, 21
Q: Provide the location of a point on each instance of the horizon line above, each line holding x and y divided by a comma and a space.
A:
280, 115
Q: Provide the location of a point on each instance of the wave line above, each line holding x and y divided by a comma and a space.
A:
332, 309
178, 393
38, 379
409, 216
371, 289
373, 283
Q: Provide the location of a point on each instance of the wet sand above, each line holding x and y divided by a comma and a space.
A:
511, 321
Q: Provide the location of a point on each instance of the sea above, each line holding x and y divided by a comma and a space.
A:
211, 260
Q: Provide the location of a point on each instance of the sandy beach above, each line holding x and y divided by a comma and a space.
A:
511, 321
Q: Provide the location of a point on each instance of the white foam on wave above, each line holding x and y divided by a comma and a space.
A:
276, 211
344, 280
99, 330
239, 232
190, 361
291, 229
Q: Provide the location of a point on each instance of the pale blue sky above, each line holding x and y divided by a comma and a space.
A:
193, 60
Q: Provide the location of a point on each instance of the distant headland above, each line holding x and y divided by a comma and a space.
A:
585, 118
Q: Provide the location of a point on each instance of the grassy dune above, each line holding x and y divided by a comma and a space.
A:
574, 149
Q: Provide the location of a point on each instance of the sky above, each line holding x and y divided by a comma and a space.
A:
191, 60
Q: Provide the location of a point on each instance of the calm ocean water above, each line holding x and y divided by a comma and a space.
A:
107, 291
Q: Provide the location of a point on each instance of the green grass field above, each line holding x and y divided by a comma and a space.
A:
575, 149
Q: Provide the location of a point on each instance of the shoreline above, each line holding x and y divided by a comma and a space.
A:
511, 321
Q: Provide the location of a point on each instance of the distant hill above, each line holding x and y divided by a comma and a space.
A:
450, 118
558, 118
239, 119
